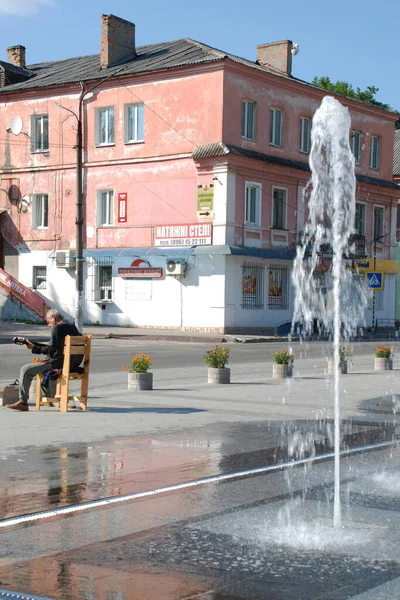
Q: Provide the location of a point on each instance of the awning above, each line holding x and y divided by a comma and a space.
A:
224, 250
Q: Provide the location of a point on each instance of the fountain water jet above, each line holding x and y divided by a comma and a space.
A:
330, 223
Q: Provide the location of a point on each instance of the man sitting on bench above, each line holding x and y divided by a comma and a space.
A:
51, 366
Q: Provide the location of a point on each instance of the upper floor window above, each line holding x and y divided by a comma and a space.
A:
248, 120
40, 211
305, 135
379, 221
105, 207
39, 278
375, 151
276, 130
359, 224
279, 203
105, 126
253, 204
39, 133
134, 123
355, 142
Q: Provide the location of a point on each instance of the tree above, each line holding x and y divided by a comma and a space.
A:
346, 89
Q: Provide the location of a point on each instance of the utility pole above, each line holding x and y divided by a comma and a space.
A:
79, 218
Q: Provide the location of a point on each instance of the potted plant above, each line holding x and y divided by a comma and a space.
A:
383, 358
139, 377
216, 360
345, 356
283, 364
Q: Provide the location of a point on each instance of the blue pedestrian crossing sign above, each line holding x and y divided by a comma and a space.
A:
374, 280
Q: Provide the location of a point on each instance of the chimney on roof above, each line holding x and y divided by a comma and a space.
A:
117, 41
277, 55
16, 56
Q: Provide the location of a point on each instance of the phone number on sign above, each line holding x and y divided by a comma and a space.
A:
184, 242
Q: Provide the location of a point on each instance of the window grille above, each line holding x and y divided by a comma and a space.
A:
39, 278
278, 288
252, 286
104, 288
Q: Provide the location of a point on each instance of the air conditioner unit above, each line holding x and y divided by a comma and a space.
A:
176, 266
65, 259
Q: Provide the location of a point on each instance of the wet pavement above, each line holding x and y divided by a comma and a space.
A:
202, 497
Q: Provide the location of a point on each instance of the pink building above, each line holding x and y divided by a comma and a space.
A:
194, 167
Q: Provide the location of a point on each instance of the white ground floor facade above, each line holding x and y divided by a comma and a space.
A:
216, 289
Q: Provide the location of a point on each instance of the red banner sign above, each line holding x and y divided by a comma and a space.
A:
122, 207
140, 272
17, 290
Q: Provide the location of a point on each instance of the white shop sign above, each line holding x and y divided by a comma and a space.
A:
195, 234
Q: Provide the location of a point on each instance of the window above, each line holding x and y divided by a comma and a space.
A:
253, 204
379, 215
278, 288
39, 133
248, 120
134, 123
375, 151
276, 137
279, 202
105, 207
305, 134
103, 291
104, 126
355, 142
39, 278
359, 224
252, 286
40, 211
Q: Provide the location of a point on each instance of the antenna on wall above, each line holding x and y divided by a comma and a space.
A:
295, 49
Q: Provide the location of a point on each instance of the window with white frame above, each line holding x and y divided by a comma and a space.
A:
276, 129
134, 123
379, 221
103, 281
39, 278
253, 204
248, 120
279, 203
105, 207
375, 152
40, 211
359, 224
355, 142
305, 134
39, 133
105, 133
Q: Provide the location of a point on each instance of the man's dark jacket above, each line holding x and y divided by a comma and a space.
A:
55, 348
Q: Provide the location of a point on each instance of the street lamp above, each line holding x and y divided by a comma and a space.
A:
375, 240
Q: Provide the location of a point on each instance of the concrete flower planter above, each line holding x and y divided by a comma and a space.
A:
342, 366
281, 371
222, 375
140, 381
383, 364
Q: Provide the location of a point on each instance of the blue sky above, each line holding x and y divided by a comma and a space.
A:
346, 39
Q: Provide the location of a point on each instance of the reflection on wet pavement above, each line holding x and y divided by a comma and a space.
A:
40, 479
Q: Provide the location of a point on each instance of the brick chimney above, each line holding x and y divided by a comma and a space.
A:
117, 41
277, 55
16, 56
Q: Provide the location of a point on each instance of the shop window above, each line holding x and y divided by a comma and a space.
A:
278, 288
252, 286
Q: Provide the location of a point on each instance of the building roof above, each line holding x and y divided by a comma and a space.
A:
221, 149
396, 155
14, 69
155, 57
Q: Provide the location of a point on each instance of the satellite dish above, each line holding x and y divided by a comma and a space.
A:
16, 125
26, 200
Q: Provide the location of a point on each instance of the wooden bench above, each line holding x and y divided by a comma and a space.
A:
73, 345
